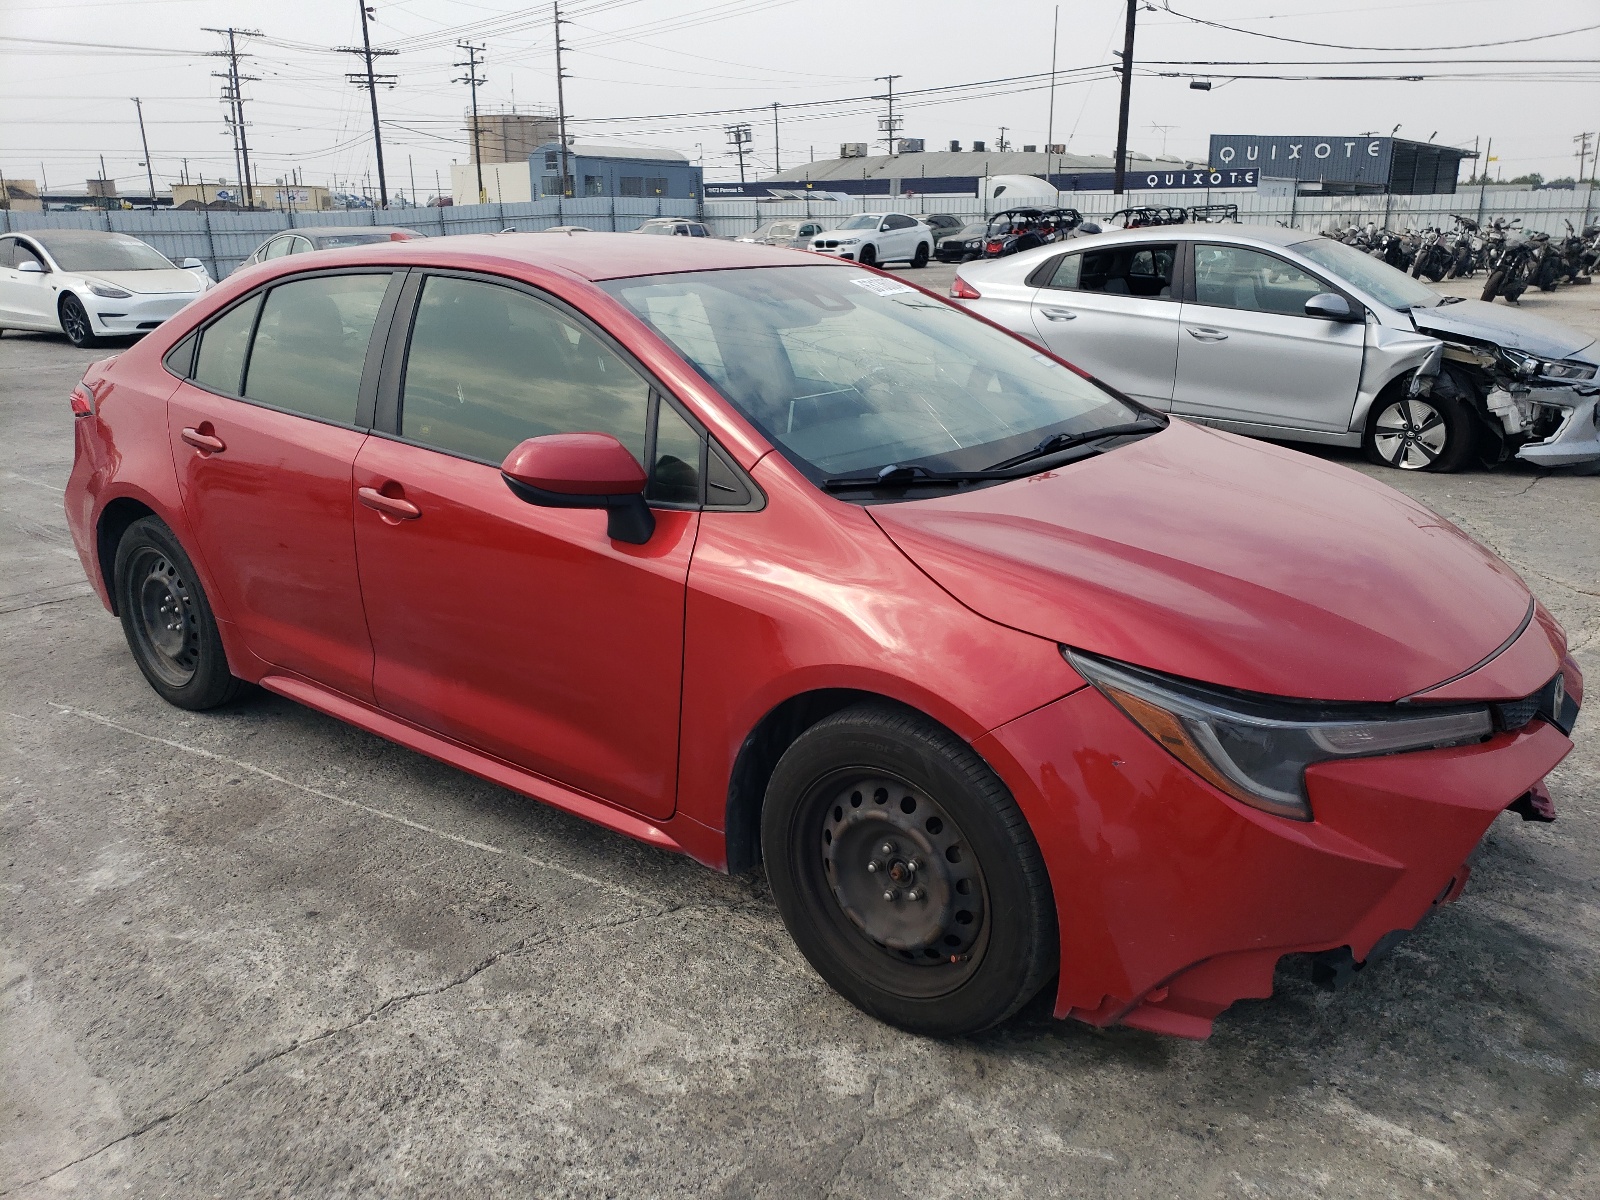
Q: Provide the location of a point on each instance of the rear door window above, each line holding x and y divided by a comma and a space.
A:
1142, 269
489, 366
220, 363
311, 345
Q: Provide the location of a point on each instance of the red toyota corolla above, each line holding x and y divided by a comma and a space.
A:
768, 559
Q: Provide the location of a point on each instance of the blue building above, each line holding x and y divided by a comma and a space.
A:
634, 172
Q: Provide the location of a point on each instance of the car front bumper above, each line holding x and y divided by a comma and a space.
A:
1174, 900
139, 313
1578, 438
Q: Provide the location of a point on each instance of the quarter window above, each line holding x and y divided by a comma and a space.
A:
1233, 277
311, 345
222, 346
277, 248
489, 366
675, 472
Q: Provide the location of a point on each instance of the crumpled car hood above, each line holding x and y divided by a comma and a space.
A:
1501, 325
1220, 559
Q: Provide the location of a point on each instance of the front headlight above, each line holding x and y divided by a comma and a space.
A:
1257, 748
848, 241
107, 291
1531, 365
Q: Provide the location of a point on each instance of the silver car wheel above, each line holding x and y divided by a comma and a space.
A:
1410, 434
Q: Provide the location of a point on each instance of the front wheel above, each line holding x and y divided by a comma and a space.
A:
168, 620
1418, 433
75, 323
1491, 286
869, 256
906, 874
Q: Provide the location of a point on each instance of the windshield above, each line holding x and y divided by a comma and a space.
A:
862, 221
667, 229
1372, 276
105, 254
849, 373
331, 241
781, 229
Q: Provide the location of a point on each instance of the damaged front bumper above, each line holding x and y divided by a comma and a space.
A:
1575, 408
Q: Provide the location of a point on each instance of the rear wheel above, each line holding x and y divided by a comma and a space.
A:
75, 323
920, 258
168, 620
1418, 433
869, 256
906, 874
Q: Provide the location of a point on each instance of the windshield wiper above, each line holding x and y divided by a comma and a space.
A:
897, 476
1058, 442
1451, 300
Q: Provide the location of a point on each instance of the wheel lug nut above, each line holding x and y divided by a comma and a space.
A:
872, 867
886, 848
890, 894
913, 894
913, 865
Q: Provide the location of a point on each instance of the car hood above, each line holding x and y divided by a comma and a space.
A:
1234, 562
1501, 325
151, 282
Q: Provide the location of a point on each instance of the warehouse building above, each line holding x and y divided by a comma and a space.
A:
1343, 166
634, 172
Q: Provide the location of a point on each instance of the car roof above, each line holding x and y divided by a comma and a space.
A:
49, 237
343, 230
596, 257
1275, 235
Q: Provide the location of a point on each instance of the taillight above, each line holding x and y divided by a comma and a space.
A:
82, 401
962, 290
993, 247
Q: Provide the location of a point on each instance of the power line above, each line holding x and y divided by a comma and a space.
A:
1278, 37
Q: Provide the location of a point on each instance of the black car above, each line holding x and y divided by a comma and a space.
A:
1019, 229
965, 244
942, 224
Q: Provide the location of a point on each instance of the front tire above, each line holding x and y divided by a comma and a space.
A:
168, 620
1418, 433
1491, 286
906, 873
75, 323
868, 257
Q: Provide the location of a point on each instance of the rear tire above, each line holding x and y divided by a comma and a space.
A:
1422, 433
168, 620
920, 258
906, 873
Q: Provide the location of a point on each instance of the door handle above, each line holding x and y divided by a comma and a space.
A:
206, 443
1059, 314
388, 506
1207, 335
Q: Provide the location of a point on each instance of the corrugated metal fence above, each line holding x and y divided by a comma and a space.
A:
222, 240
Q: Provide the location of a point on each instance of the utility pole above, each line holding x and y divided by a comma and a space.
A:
1001, 144
150, 174
1120, 169
561, 101
888, 124
472, 79
777, 160
738, 138
372, 82
1050, 123
1582, 141
234, 93
412, 167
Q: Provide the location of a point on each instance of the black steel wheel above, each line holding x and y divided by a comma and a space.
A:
75, 322
1418, 433
168, 621
906, 873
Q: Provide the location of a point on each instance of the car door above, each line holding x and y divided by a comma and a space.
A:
264, 433
27, 299
1249, 352
1114, 311
900, 237
9, 283
521, 630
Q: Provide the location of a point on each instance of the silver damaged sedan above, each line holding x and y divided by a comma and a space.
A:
1281, 334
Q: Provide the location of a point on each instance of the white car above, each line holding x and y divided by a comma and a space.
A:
875, 238
1282, 334
90, 285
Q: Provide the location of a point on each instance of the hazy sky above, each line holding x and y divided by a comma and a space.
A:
62, 105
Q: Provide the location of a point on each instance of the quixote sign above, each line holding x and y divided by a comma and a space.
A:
1342, 159
1191, 180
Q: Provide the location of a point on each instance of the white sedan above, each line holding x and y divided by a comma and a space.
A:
90, 285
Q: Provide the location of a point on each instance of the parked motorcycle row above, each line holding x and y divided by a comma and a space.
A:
1511, 258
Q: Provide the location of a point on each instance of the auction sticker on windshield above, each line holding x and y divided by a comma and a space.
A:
882, 287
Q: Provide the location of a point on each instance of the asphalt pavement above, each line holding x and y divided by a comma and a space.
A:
255, 952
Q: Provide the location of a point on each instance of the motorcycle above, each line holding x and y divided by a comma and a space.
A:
1510, 266
1433, 257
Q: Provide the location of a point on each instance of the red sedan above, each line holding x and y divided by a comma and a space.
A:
773, 560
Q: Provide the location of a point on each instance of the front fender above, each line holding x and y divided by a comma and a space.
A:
1389, 354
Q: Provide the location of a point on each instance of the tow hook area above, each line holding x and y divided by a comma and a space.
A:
1534, 804
1334, 969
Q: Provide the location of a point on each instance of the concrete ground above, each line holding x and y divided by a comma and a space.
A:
258, 953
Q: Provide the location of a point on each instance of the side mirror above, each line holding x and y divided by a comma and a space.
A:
31, 267
583, 470
1332, 307
192, 264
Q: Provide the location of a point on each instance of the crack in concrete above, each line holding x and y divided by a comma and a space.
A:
372, 1014
844, 1159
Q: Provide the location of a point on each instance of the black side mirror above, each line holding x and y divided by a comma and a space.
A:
1332, 307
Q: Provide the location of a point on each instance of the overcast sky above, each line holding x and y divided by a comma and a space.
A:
63, 105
